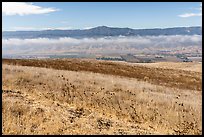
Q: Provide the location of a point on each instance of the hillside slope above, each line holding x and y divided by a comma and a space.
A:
51, 101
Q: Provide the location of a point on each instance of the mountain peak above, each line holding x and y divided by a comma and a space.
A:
102, 27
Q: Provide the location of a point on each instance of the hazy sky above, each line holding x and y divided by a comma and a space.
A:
81, 15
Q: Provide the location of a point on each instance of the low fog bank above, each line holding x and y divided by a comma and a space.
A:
100, 45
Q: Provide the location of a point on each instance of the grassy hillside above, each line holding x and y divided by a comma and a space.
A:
73, 99
156, 75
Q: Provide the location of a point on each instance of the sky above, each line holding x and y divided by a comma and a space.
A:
85, 15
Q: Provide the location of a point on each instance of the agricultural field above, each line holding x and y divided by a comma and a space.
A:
85, 96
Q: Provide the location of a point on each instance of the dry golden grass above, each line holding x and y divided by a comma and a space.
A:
188, 66
160, 76
50, 101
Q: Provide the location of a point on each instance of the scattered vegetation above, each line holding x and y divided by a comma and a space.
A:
59, 101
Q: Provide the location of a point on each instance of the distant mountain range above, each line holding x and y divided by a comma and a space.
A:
102, 31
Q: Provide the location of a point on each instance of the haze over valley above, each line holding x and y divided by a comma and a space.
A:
100, 42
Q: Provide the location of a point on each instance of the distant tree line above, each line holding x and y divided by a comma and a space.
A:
109, 58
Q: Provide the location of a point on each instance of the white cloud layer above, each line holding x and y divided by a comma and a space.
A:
23, 8
186, 15
108, 44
